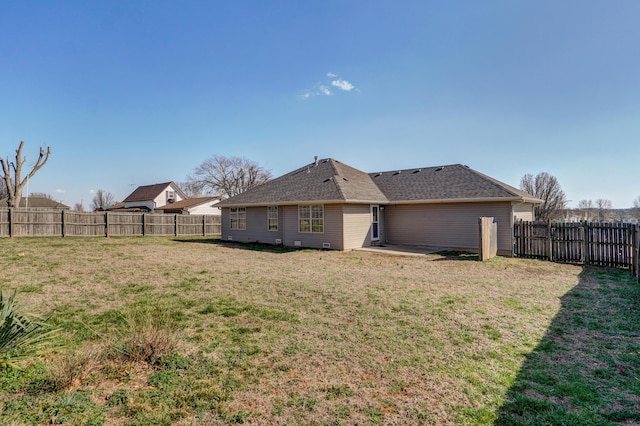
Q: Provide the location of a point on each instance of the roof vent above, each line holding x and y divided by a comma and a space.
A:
417, 171
345, 179
439, 168
315, 160
398, 172
377, 174
327, 180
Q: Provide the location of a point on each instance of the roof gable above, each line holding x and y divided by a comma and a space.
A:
150, 192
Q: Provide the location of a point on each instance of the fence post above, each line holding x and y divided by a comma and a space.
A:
62, 222
204, 225
550, 241
144, 224
175, 225
106, 224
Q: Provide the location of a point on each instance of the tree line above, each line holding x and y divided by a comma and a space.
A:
229, 176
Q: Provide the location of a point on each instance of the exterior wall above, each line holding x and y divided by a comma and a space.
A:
357, 225
523, 212
454, 226
206, 209
333, 230
257, 230
161, 199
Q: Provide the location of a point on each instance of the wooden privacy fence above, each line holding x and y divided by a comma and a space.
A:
591, 243
60, 223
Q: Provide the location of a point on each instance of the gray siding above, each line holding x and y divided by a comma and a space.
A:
257, 230
332, 229
357, 226
454, 226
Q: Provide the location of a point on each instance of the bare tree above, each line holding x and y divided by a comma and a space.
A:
228, 175
602, 207
78, 207
102, 200
547, 188
41, 195
12, 173
636, 203
586, 207
3, 190
190, 189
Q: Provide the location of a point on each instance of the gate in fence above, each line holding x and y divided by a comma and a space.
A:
590, 243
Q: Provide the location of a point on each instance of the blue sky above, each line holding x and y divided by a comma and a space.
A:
130, 93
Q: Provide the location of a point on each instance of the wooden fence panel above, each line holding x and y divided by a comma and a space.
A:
35, 222
124, 224
62, 223
601, 244
159, 224
79, 224
4, 223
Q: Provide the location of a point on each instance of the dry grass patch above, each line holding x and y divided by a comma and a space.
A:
249, 334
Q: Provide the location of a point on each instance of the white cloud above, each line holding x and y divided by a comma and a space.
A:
342, 85
323, 88
92, 191
60, 191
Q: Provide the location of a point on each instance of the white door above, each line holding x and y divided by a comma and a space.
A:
375, 223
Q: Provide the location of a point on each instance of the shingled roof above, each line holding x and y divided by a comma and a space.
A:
149, 192
324, 181
445, 183
36, 202
329, 181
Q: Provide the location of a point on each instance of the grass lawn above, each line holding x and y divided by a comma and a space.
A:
189, 332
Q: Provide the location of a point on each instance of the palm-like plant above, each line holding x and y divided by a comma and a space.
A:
21, 335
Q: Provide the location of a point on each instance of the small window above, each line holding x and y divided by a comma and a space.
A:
311, 219
272, 218
238, 218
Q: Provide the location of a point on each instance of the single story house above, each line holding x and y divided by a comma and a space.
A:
328, 204
196, 205
151, 197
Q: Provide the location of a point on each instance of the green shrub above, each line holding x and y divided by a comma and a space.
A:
21, 335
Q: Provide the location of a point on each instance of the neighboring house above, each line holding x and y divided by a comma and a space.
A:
327, 204
36, 203
198, 205
151, 197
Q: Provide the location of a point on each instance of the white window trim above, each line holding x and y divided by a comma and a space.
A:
269, 210
311, 206
237, 214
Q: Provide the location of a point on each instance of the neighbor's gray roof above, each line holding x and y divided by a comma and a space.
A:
331, 181
36, 202
150, 192
325, 182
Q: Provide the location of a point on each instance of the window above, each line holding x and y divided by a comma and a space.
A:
238, 218
272, 218
311, 218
